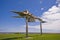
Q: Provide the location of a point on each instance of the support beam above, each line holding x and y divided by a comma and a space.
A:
26, 26
41, 28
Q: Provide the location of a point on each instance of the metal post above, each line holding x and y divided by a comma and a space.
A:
26, 26
41, 27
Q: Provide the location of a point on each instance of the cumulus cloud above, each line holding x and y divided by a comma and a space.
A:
52, 16
52, 13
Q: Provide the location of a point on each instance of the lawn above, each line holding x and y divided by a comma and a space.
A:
31, 37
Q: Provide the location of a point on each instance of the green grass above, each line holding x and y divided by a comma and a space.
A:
32, 37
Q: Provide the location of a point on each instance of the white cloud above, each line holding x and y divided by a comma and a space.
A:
52, 16
42, 8
52, 13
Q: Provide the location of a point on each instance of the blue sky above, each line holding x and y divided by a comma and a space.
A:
10, 24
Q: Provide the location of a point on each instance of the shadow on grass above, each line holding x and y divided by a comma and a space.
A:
12, 38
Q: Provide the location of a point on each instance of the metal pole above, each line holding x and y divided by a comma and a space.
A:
41, 27
26, 26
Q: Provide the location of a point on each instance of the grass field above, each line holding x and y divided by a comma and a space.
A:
32, 37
